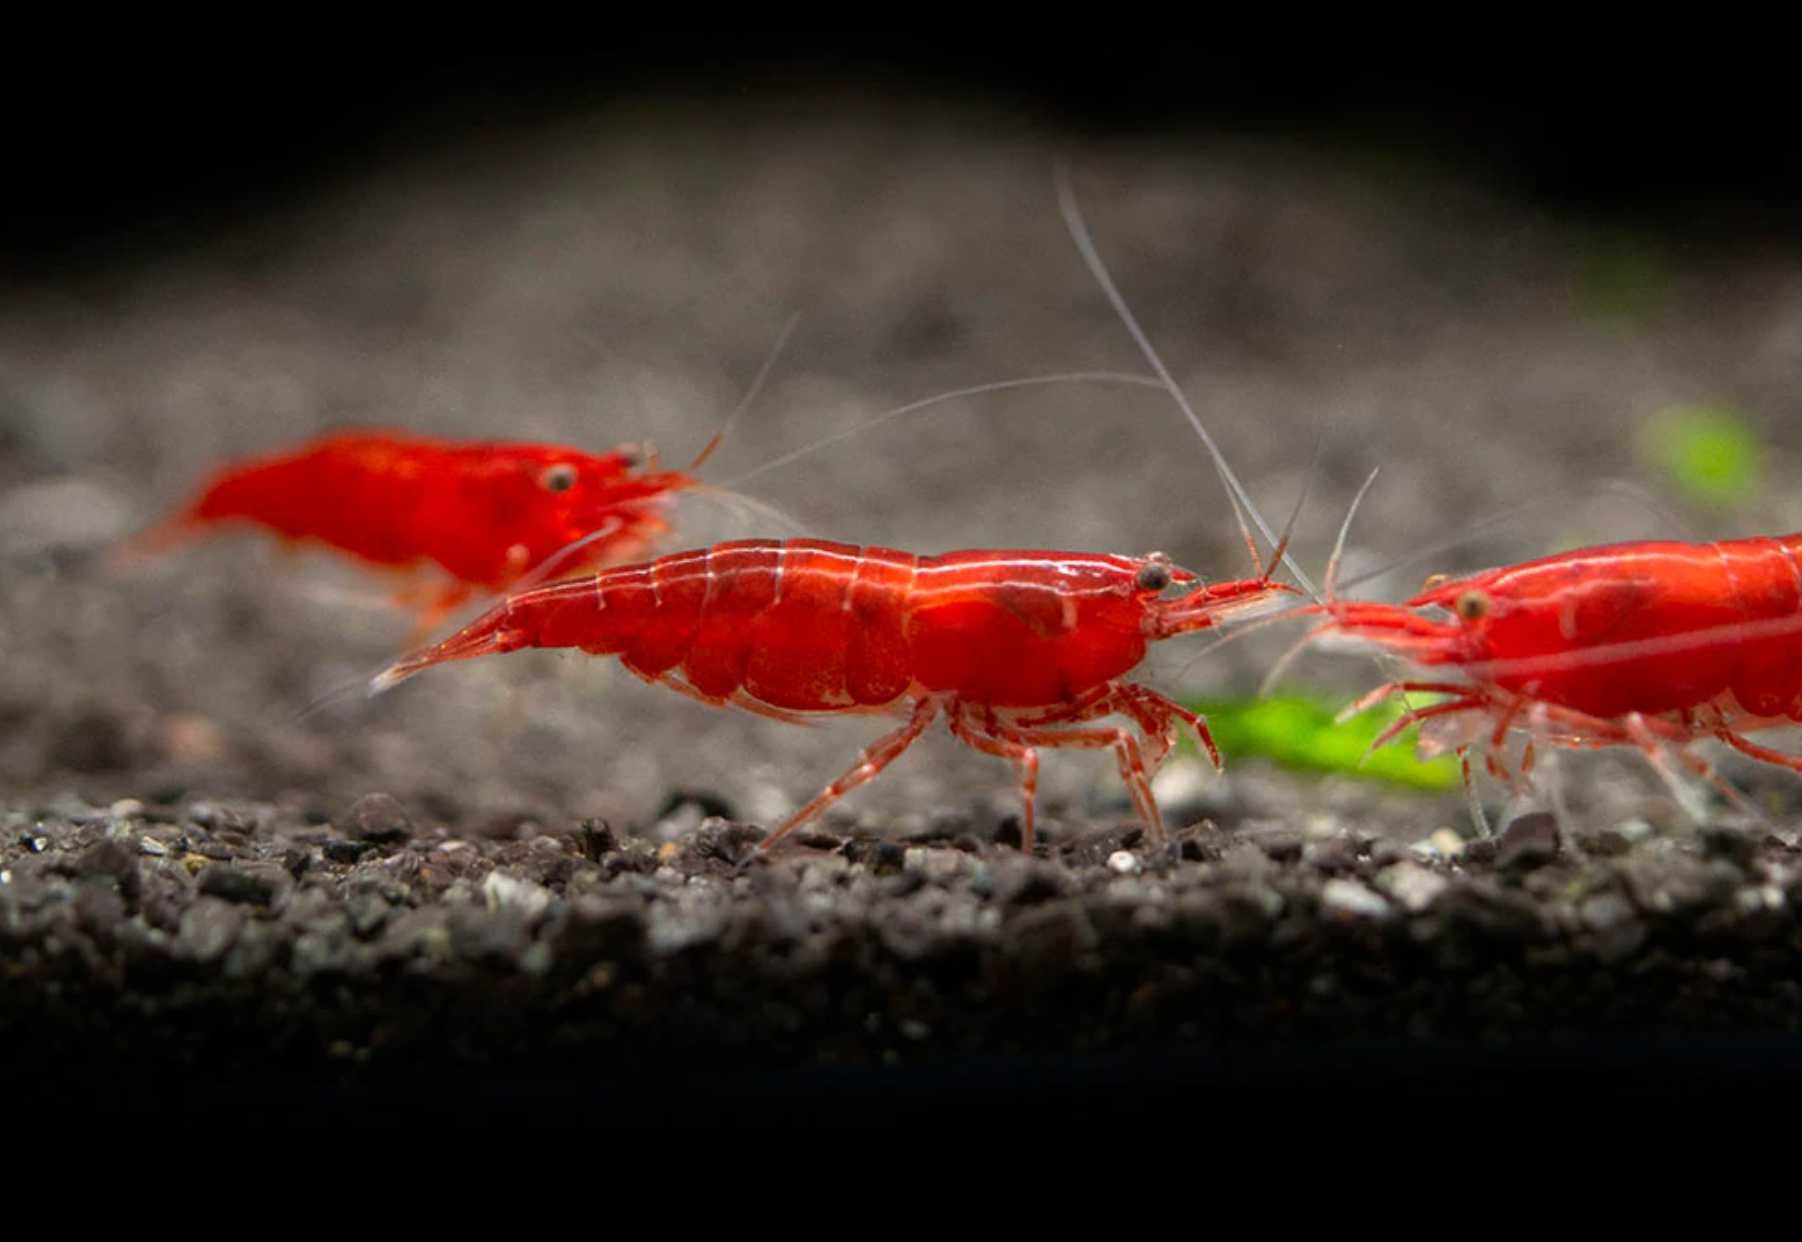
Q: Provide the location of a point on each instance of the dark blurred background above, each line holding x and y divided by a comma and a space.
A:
126, 150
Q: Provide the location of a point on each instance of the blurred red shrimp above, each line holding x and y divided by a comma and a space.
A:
1019, 650
485, 513
1648, 644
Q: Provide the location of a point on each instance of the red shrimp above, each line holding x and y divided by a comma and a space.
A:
1651, 644
1017, 649
485, 513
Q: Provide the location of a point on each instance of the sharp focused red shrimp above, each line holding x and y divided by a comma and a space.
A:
1643, 644
1018, 649
485, 513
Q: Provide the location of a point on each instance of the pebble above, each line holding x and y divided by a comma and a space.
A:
1413, 885
1350, 901
209, 927
1323, 828
1604, 910
345, 852
1123, 862
501, 891
1529, 841
1760, 899
1617, 929
235, 884
379, 817
1443, 843
933, 864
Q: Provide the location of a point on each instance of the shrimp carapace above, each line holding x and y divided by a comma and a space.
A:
1651, 644
486, 513
1018, 649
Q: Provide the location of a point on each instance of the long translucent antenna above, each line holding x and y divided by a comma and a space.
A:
1281, 667
338, 692
1236, 493
945, 398
1332, 566
1267, 571
740, 506
1301, 502
745, 403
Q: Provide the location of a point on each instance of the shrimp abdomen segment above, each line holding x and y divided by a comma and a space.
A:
799, 644
879, 665
741, 580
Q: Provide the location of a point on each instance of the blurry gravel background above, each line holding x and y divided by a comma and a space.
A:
621, 277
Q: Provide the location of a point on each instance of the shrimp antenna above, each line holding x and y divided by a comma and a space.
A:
1236, 493
1267, 571
741, 505
763, 374
945, 398
337, 693
1332, 566
1278, 669
1301, 502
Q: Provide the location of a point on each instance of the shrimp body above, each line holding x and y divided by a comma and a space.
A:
485, 513
1005, 643
1644, 643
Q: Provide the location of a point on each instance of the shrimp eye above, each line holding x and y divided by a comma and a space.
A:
1473, 605
559, 478
1154, 575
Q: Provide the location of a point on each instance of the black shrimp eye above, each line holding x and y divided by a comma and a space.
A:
1473, 605
558, 478
1154, 577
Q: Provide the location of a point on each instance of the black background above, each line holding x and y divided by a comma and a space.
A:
114, 153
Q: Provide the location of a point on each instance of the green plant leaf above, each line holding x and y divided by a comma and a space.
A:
1299, 732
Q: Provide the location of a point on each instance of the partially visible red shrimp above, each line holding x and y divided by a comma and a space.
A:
485, 513
1019, 650
1653, 644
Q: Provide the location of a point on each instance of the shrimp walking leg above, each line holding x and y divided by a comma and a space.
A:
1156, 713
874, 757
1751, 749
980, 736
1157, 717
1122, 743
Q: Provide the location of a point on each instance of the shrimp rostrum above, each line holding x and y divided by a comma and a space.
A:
1652, 644
1017, 650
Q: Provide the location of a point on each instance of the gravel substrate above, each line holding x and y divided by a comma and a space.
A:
163, 955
